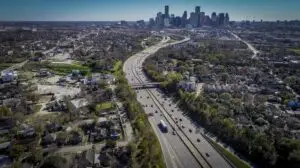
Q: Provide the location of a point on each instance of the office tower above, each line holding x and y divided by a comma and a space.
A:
226, 22
172, 19
197, 9
159, 20
177, 21
184, 19
221, 19
140, 23
194, 19
214, 19
166, 11
207, 21
166, 22
202, 18
151, 22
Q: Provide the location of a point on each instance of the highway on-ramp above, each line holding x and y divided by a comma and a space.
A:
181, 148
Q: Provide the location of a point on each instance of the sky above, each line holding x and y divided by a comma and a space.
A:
132, 10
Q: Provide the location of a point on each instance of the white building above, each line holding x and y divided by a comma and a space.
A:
9, 76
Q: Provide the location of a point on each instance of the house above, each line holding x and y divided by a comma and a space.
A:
187, 85
9, 76
294, 104
49, 139
44, 73
26, 131
4, 146
75, 138
53, 127
76, 104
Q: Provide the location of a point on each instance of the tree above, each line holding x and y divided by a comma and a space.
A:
111, 144
5, 112
16, 151
54, 161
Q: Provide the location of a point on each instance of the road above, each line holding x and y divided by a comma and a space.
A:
183, 148
254, 50
80, 148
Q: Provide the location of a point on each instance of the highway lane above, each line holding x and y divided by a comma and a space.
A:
214, 158
176, 154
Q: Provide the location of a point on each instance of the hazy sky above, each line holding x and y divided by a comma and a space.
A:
105, 10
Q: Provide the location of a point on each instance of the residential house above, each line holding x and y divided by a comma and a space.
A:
9, 76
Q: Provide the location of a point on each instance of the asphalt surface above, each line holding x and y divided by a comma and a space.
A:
185, 148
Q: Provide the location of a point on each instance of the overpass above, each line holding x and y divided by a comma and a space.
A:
145, 85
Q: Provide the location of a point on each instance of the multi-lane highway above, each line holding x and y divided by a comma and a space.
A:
183, 145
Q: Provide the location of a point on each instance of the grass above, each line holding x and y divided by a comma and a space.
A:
64, 69
5, 65
230, 156
104, 106
117, 68
37, 108
296, 50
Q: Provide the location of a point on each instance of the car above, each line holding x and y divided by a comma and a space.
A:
156, 111
174, 133
165, 99
141, 97
176, 122
169, 104
190, 130
172, 110
207, 154
146, 105
175, 118
180, 119
151, 105
182, 126
198, 140
147, 97
151, 114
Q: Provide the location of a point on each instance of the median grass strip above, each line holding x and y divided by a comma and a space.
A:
230, 156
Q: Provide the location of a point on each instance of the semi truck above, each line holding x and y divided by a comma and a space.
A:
163, 126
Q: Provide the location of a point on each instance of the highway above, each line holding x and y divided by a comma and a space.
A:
187, 148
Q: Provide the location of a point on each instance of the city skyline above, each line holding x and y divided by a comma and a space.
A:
132, 10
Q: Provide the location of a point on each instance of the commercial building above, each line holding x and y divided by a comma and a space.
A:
167, 11
184, 20
214, 19
194, 19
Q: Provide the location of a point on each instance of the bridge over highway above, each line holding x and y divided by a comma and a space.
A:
145, 85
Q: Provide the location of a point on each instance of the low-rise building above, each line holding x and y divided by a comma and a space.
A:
9, 76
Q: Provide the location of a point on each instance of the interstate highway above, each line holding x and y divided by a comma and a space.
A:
183, 148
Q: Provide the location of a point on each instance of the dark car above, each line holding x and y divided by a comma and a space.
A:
172, 110
207, 154
180, 119
151, 105
156, 111
198, 140
190, 130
